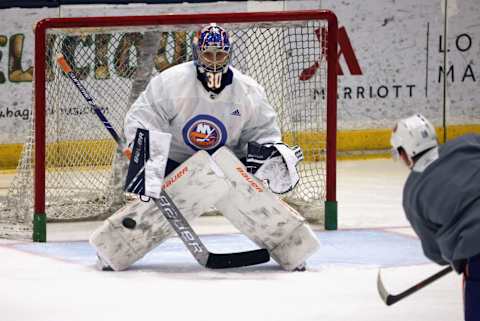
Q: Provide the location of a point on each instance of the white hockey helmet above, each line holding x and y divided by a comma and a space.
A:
414, 135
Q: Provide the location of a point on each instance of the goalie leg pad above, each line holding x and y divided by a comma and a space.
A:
122, 238
295, 248
262, 216
139, 227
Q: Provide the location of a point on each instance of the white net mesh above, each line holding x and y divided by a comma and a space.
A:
84, 174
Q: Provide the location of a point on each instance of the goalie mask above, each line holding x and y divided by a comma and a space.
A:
414, 135
211, 49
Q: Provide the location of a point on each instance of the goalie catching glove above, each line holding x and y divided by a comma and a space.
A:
275, 164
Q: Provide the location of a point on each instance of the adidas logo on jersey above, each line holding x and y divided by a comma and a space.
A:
235, 113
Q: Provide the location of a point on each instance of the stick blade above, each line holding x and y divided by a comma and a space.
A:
390, 299
240, 259
387, 298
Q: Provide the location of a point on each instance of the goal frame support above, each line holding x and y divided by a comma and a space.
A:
39, 219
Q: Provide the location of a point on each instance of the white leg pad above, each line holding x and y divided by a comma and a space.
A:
295, 248
195, 186
262, 216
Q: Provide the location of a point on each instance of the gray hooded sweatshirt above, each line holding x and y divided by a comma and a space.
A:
442, 202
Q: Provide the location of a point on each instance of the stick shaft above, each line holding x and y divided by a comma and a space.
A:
390, 299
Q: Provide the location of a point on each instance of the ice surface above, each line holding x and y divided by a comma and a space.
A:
57, 281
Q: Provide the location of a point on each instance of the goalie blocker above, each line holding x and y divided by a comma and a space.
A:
147, 165
196, 186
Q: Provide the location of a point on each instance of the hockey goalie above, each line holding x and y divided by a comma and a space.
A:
213, 141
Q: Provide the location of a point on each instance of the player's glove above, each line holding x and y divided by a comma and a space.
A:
274, 164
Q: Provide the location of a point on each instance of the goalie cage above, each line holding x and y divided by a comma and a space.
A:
69, 169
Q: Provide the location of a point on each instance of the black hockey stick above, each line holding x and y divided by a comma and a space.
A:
166, 205
390, 299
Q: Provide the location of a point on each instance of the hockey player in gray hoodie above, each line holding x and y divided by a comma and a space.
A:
441, 199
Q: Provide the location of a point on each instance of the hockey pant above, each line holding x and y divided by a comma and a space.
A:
472, 289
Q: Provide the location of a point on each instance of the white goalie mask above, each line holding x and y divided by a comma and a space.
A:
414, 135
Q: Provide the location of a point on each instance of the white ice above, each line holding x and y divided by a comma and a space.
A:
58, 282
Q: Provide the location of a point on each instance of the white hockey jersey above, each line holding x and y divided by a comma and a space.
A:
176, 102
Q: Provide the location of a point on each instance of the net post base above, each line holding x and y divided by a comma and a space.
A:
330, 215
39, 227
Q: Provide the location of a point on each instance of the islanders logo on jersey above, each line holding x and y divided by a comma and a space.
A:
204, 132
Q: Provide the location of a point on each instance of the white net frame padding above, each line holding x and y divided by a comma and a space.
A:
114, 57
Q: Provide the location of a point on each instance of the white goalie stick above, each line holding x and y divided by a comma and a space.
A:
390, 299
166, 205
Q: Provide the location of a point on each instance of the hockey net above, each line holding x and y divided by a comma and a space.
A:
69, 167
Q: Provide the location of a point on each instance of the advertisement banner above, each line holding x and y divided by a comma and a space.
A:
389, 61
461, 73
16, 70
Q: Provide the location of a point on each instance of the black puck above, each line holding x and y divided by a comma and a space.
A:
129, 223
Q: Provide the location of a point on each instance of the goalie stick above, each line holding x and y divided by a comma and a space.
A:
390, 299
166, 205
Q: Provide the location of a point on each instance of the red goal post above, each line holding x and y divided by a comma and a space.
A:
327, 75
